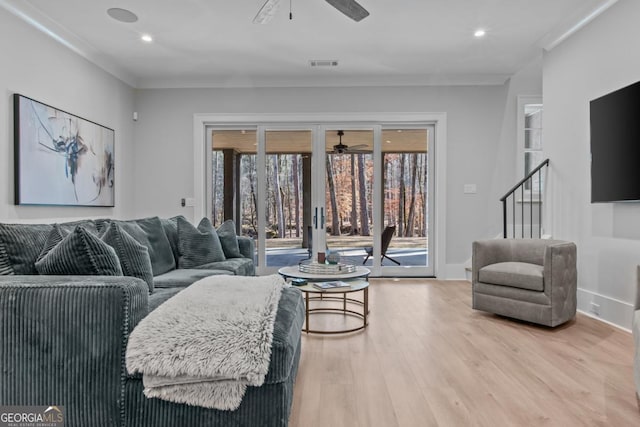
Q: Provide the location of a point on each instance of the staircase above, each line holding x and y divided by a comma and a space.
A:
522, 209
522, 206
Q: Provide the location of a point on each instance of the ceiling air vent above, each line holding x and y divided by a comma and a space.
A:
323, 62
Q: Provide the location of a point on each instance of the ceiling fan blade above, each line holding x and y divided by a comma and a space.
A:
359, 147
266, 12
350, 8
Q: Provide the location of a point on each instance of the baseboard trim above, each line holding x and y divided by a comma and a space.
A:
604, 321
612, 311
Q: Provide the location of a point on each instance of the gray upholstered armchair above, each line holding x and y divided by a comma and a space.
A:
528, 279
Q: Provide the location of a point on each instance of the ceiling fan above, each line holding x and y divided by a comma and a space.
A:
350, 8
341, 148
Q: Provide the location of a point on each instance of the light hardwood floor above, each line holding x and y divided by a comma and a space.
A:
428, 359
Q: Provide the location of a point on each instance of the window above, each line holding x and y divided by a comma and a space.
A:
530, 144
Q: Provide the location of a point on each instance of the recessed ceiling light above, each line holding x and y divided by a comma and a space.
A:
146, 38
480, 33
122, 15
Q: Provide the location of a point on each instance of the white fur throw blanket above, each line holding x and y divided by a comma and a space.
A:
206, 344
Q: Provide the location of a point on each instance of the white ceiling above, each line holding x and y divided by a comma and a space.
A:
214, 43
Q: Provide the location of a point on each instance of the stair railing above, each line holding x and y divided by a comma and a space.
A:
520, 187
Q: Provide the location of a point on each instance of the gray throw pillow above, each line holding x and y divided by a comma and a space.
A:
55, 236
88, 224
170, 226
149, 233
198, 246
133, 256
21, 244
6, 268
228, 239
80, 253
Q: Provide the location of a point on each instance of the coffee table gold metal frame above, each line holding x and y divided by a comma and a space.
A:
358, 280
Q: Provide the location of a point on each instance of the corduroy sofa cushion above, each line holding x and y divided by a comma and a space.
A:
79, 253
149, 233
237, 266
183, 277
198, 246
170, 226
20, 246
228, 239
133, 256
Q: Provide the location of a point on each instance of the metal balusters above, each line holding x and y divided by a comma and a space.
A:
512, 193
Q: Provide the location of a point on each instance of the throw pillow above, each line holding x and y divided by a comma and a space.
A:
228, 239
133, 256
170, 226
149, 233
6, 268
88, 224
80, 253
198, 246
55, 236
22, 244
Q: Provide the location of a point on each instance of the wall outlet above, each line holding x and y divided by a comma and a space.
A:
595, 309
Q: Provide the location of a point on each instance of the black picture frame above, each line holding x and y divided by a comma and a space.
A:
61, 159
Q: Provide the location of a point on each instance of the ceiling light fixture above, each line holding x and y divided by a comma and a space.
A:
122, 15
479, 33
266, 12
146, 38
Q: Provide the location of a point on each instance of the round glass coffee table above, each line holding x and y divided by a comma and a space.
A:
357, 280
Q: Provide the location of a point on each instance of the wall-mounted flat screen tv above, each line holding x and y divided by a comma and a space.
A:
615, 146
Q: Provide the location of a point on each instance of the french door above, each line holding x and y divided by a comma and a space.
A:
299, 189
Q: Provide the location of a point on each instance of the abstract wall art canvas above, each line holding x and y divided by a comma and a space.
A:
60, 158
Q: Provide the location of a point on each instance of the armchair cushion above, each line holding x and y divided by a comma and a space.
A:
515, 274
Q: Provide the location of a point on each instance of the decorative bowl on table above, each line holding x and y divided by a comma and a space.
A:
313, 267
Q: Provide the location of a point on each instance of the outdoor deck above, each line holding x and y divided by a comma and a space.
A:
409, 251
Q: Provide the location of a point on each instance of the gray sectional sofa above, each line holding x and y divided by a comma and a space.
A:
64, 336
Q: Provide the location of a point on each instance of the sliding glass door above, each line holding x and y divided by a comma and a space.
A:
363, 193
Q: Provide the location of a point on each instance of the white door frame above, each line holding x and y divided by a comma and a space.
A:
202, 156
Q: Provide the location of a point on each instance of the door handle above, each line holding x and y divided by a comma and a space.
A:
321, 218
315, 219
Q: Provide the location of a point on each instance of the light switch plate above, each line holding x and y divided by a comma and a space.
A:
470, 189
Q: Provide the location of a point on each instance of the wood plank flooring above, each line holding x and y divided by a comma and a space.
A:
428, 359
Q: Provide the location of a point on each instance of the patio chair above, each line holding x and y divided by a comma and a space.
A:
387, 234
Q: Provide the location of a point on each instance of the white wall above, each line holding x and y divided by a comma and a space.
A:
36, 66
600, 58
481, 141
